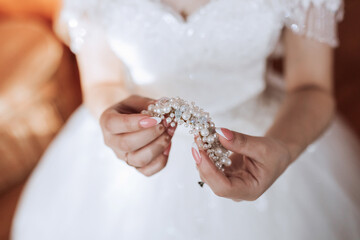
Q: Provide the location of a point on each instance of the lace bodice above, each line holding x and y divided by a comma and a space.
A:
220, 50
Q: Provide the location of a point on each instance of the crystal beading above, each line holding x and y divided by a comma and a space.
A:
176, 111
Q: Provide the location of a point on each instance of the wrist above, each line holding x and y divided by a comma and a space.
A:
293, 148
100, 97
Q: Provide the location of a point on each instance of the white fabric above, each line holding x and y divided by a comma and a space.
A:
81, 191
316, 19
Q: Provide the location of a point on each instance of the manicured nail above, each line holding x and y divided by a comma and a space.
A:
196, 154
167, 150
149, 122
225, 133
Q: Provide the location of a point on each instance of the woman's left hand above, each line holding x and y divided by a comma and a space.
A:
256, 163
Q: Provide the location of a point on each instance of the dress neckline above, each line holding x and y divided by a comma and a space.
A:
178, 15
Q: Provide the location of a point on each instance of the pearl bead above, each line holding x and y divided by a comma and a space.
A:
186, 115
151, 107
184, 108
204, 132
175, 105
168, 120
172, 124
163, 100
210, 139
202, 119
223, 160
218, 151
167, 109
228, 162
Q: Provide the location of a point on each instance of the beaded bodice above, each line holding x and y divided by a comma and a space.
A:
215, 58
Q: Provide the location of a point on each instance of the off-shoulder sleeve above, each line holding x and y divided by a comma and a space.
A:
79, 21
315, 19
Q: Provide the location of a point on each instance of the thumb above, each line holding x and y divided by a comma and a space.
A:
135, 103
240, 143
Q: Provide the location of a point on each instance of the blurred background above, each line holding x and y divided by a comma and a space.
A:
39, 88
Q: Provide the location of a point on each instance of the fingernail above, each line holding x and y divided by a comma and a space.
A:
225, 133
167, 150
149, 122
196, 154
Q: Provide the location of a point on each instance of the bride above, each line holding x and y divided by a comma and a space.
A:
295, 170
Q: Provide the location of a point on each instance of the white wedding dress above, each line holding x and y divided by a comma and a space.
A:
216, 58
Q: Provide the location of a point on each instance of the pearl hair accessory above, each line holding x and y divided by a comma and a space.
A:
178, 111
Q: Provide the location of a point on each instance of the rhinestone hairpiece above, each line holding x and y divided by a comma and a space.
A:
176, 111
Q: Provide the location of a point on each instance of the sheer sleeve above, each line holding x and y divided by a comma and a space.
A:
78, 21
315, 19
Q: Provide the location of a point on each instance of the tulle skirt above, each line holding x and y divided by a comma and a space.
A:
80, 190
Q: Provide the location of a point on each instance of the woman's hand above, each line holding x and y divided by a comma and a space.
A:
256, 163
138, 139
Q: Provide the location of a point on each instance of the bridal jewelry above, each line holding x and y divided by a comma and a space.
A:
178, 111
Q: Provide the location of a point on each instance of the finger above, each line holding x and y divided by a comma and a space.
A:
154, 166
171, 130
120, 154
130, 142
117, 123
244, 190
216, 180
250, 146
146, 154
134, 103
167, 150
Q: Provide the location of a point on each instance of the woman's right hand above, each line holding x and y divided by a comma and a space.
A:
138, 139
